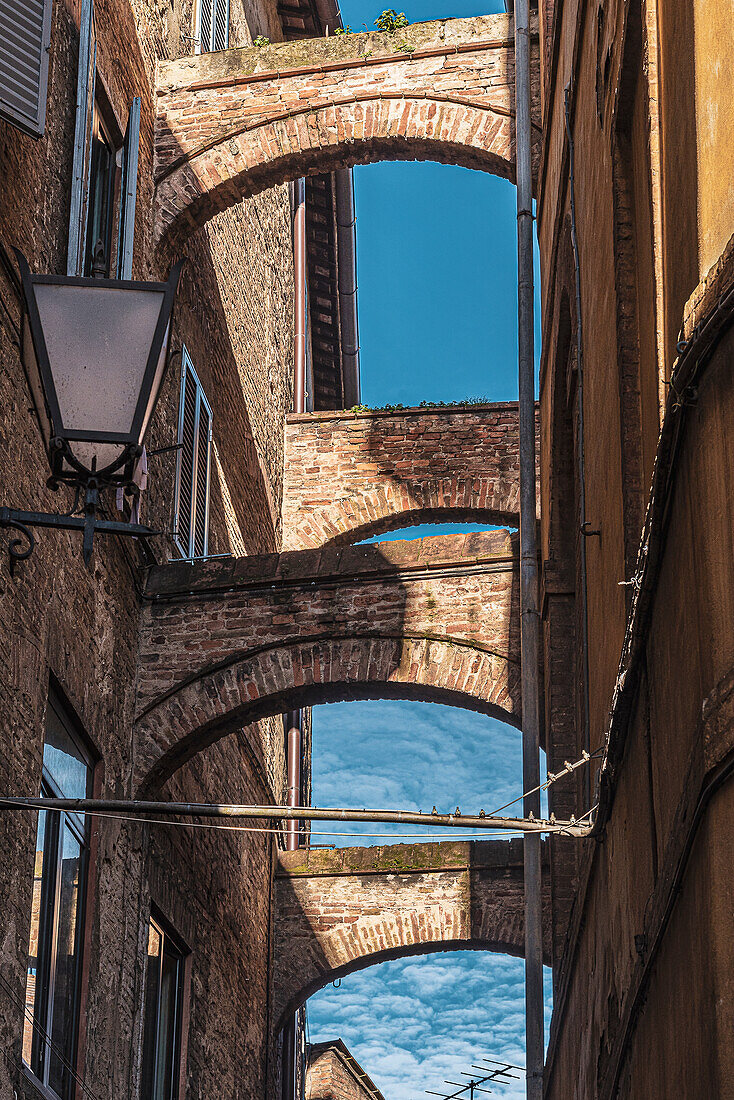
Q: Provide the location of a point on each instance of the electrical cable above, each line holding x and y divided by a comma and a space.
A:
47, 1038
553, 778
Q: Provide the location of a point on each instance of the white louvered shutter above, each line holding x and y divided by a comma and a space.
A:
213, 29
221, 25
192, 469
128, 193
25, 36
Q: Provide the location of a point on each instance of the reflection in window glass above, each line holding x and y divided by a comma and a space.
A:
163, 1005
52, 977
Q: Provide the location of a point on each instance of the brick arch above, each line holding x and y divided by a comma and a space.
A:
235, 123
339, 911
276, 678
377, 511
253, 159
353, 474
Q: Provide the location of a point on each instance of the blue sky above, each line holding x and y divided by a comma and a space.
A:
437, 273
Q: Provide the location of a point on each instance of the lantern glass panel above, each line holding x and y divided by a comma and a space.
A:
98, 340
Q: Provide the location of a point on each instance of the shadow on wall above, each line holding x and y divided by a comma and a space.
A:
353, 475
337, 912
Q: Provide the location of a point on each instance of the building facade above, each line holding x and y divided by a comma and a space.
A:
635, 223
133, 964
138, 958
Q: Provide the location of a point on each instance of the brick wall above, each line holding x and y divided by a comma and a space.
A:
435, 91
352, 475
338, 911
234, 314
333, 1074
224, 642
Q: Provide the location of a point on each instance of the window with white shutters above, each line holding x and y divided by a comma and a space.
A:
25, 35
192, 468
212, 30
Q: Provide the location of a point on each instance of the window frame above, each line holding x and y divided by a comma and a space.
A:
174, 946
188, 375
199, 47
103, 124
49, 918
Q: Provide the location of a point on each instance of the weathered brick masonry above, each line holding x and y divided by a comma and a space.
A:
339, 911
350, 475
225, 642
333, 1074
235, 123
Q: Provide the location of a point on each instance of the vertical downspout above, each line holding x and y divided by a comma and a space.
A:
294, 750
529, 611
299, 265
583, 522
347, 275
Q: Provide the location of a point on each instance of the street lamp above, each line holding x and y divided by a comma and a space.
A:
94, 352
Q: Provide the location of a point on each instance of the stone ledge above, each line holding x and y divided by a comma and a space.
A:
331, 562
418, 858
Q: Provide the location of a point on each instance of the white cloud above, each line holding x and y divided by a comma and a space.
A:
413, 1023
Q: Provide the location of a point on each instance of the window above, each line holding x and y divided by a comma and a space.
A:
212, 25
99, 154
25, 34
163, 1012
52, 978
101, 198
192, 465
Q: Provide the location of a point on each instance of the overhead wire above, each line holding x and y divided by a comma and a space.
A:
567, 769
47, 1038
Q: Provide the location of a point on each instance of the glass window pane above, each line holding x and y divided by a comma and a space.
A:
152, 985
67, 955
101, 196
62, 759
167, 1028
34, 1013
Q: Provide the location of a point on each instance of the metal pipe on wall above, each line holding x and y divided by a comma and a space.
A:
347, 274
529, 605
299, 265
294, 752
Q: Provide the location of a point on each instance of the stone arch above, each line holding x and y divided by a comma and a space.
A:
339, 911
391, 508
314, 141
312, 982
235, 123
312, 670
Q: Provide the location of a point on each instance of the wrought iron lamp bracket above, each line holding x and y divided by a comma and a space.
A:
81, 517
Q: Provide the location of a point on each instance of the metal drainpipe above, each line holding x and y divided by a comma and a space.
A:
347, 267
294, 776
299, 264
529, 609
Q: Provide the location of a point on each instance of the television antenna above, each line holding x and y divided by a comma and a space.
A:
468, 1090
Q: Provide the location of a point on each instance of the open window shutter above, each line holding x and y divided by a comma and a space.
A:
129, 192
205, 25
25, 36
186, 460
82, 139
201, 517
192, 471
221, 25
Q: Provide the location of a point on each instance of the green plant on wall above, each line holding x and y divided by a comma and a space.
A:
390, 20
344, 30
260, 41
